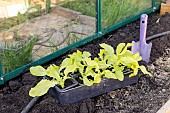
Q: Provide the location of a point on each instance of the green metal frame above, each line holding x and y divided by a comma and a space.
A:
98, 16
153, 5
98, 34
1, 72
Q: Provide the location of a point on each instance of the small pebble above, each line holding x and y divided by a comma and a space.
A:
112, 94
152, 67
163, 90
167, 68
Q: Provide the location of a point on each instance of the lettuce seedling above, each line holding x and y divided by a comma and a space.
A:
82, 63
110, 64
75, 62
120, 60
43, 86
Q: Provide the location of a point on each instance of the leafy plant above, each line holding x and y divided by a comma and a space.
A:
43, 86
86, 7
13, 56
121, 60
109, 64
112, 11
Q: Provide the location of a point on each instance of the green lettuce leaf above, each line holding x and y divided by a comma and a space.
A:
119, 48
38, 71
119, 75
109, 49
87, 82
108, 74
70, 69
41, 88
97, 78
143, 69
53, 71
66, 62
86, 54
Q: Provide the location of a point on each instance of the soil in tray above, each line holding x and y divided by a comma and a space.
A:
147, 96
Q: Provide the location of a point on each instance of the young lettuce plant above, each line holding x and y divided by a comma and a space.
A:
110, 64
43, 86
120, 60
81, 62
92, 70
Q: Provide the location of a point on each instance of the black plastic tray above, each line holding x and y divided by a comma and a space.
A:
80, 92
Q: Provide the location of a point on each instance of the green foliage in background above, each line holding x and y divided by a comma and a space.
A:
86, 7
15, 56
113, 11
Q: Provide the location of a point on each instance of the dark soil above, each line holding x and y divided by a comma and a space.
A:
147, 96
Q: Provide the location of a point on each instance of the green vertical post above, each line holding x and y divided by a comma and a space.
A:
98, 16
154, 5
1, 72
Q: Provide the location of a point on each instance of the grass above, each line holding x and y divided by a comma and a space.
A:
86, 7
73, 38
113, 11
14, 56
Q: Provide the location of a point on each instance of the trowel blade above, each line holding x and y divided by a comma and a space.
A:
145, 52
136, 47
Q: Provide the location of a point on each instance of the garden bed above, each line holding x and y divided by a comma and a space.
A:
147, 96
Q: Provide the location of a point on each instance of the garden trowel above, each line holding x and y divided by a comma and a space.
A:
141, 46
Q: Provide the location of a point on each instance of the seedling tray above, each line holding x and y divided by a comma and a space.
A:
80, 92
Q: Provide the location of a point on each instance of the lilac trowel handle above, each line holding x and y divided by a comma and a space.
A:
143, 27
